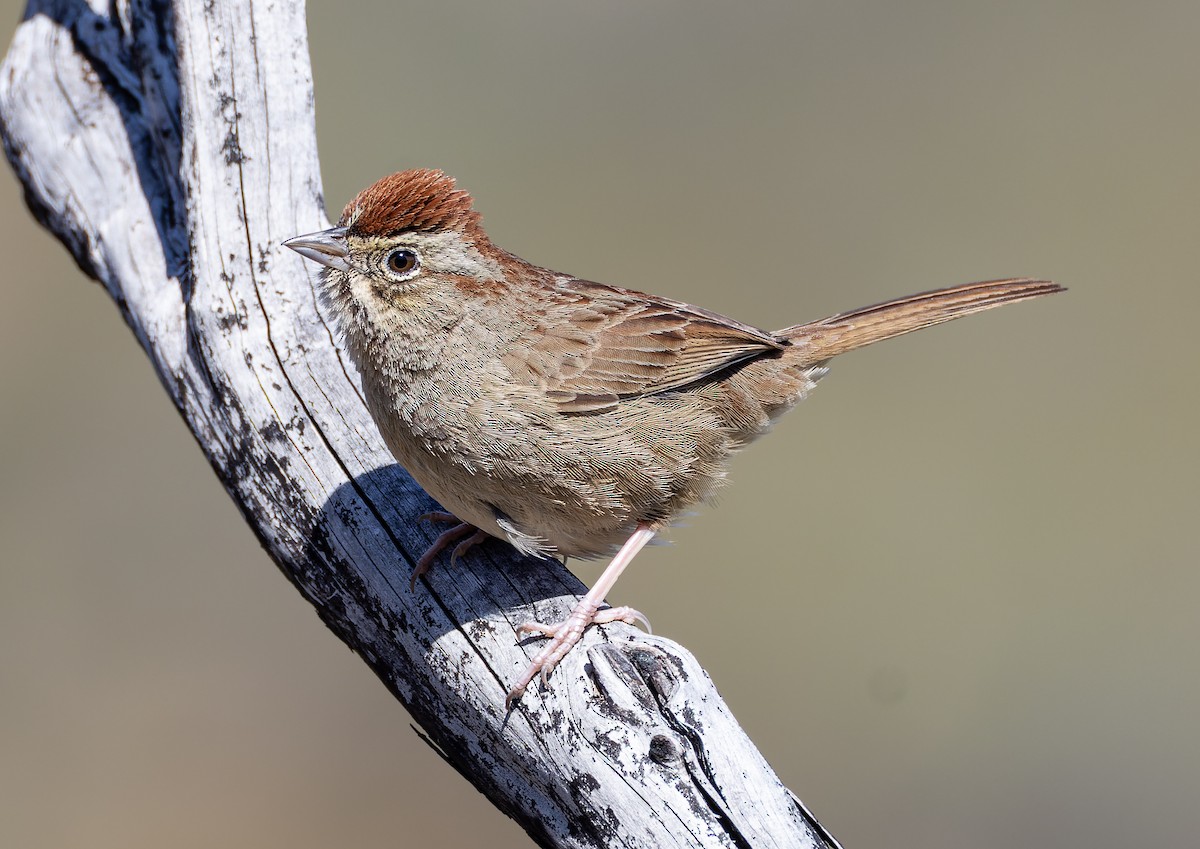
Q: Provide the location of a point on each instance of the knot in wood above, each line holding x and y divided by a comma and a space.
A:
665, 751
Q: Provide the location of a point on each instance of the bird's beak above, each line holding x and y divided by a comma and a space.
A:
327, 247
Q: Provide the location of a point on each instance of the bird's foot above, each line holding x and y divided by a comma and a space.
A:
563, 637
461, 529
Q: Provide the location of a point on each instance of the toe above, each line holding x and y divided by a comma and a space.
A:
529, 629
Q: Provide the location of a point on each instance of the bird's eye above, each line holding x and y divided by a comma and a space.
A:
403, 261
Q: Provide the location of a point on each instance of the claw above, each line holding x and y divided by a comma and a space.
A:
466, 545
451, 535
563, 637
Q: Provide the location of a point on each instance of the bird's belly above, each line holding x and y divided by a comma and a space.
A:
576, 513
533, 522
554, 485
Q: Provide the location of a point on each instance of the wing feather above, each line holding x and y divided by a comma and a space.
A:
590, 346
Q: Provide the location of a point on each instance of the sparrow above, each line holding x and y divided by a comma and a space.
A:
566, 417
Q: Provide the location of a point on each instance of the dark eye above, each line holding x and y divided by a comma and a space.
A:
402, 261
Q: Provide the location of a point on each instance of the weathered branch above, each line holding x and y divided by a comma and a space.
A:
171, 148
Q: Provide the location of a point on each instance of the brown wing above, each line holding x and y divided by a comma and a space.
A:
590, 346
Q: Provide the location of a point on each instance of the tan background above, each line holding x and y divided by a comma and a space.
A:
953, 598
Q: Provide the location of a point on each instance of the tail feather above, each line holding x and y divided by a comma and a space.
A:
818, 341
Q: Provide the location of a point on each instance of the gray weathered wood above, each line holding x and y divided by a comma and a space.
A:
171, 148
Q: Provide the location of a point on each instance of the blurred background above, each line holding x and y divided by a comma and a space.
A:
953, 598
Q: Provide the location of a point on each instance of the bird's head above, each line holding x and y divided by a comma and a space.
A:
412, 233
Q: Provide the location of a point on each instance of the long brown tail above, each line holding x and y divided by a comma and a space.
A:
817, 341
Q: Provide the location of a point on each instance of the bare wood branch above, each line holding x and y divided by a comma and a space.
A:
171, 147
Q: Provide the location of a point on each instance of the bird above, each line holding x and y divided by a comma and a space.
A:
567, 417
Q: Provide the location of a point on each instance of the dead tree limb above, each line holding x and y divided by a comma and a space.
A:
171, 148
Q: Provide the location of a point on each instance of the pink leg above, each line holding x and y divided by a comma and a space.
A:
564, 635
460, 530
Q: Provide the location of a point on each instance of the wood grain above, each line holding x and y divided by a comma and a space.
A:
171, 148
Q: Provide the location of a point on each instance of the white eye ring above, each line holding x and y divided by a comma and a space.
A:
402, 263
